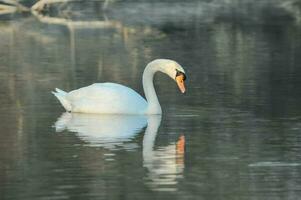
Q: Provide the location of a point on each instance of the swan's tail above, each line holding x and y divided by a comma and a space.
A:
61, 95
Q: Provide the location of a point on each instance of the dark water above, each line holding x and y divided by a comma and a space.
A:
236, 134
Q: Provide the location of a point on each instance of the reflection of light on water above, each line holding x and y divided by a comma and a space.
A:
109, 156
274, 164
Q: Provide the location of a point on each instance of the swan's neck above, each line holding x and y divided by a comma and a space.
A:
153, 105
153, 123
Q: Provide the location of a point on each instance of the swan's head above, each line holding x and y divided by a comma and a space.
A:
174, 70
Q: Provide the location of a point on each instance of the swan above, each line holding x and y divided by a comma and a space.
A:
113, 98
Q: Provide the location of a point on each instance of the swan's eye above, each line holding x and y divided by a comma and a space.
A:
184, 77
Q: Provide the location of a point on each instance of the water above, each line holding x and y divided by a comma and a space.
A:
234, 135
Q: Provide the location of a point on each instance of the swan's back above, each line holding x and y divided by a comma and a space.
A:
109, 98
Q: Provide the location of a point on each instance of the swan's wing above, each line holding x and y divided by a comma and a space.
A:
106, 98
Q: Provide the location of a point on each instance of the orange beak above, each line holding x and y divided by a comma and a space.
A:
181, 83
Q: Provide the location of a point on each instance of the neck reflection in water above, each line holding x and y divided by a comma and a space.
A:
164, 164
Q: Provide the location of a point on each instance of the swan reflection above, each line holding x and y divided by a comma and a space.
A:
164, 164
109, 131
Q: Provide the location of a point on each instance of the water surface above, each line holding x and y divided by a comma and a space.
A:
234, 135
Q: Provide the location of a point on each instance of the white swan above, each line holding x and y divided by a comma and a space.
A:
112, 98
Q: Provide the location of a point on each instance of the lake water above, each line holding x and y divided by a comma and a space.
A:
235, 134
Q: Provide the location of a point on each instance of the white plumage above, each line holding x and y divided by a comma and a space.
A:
107, 98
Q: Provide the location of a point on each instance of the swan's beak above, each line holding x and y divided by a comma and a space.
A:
180, 79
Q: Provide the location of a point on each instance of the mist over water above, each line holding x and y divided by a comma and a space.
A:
235, 134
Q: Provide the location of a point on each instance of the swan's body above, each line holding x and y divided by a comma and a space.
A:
109, 98
112, 98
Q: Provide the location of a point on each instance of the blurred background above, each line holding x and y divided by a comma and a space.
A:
234, 135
